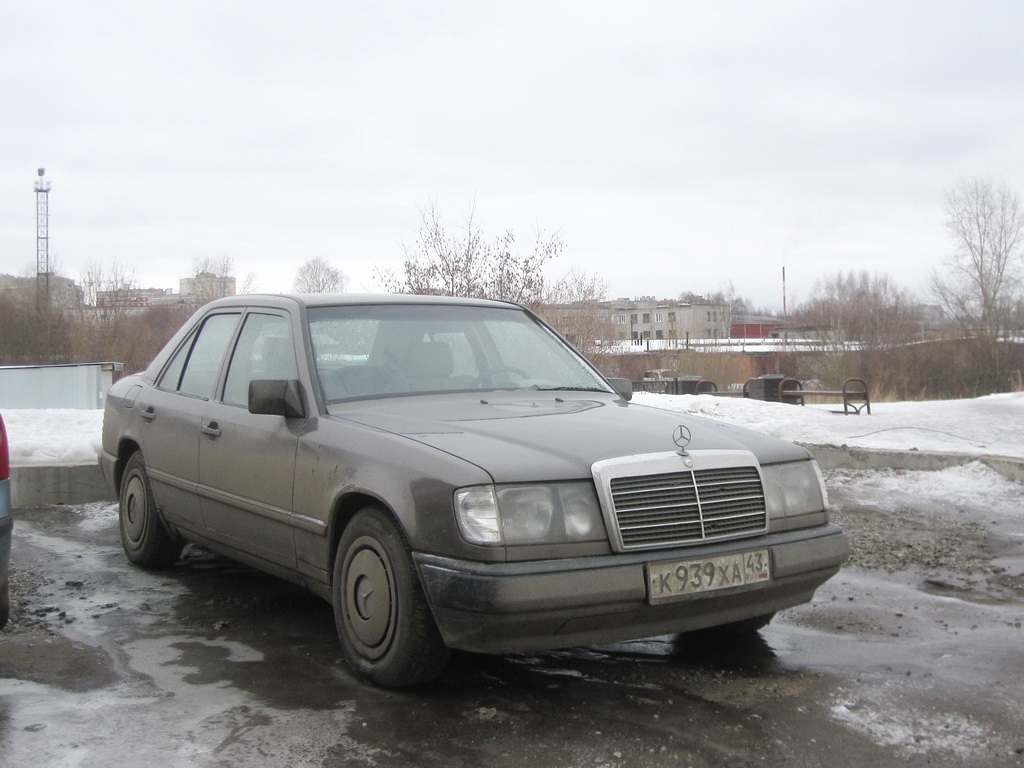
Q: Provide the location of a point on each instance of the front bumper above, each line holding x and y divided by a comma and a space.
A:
538, 605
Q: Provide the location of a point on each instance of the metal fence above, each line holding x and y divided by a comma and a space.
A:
80, 386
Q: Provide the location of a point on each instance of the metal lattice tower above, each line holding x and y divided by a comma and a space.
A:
42, 240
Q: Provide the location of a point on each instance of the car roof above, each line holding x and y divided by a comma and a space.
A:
351, 299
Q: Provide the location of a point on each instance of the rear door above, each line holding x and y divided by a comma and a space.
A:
171, 415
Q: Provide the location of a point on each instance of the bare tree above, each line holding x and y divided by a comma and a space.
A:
211, 279
981, 286
860, 319
21, 341
221, 266
738, 305
317, 276
250, 284
572, 305
32, 331
107, 288
868, 310
469, 264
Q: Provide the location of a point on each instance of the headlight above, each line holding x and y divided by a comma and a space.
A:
794, 489
533, 513
477, 511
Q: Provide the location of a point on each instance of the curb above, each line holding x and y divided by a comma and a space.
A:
845, 457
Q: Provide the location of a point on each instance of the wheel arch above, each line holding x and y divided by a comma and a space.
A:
125, 449
345, 508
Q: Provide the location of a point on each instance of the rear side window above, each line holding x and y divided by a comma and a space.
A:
194, 368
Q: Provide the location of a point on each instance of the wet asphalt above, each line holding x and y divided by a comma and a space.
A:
214, 664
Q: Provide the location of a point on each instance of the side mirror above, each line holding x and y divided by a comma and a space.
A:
277, 397
624, 388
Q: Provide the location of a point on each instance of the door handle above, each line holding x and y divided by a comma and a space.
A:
148, 413
210, 429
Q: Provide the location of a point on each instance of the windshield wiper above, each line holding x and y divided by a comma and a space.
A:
569, 389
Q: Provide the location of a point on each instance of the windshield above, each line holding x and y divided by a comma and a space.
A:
375, 350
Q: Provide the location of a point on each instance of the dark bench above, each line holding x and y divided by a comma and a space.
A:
680, 385
782, 389
773, 388
854, 394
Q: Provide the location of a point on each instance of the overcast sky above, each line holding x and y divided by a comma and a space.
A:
674, 146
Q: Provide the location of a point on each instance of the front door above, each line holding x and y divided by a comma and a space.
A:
247, 461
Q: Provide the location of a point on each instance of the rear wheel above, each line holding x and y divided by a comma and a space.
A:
384, 623
144, 538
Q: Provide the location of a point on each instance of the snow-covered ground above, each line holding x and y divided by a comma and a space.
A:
992, 425
56, 436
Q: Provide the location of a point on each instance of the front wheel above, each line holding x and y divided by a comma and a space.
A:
144, 538
384, 623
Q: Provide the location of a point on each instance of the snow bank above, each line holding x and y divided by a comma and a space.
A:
976, 427
57, 436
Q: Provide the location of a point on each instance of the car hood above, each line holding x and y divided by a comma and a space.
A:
524, 436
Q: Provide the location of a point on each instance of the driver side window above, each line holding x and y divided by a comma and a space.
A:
264, 351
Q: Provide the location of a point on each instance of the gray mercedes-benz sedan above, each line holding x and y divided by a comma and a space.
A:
450, 473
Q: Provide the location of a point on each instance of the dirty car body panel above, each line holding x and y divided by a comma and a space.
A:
449, 473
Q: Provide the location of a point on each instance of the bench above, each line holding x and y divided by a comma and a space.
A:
854, 394
774, 388
680, 385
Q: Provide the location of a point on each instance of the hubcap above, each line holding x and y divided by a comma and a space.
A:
134, 509
370, 599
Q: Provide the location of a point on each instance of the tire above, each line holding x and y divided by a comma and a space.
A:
384, 623
144, 537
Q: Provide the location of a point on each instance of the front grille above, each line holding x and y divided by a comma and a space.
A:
688, 507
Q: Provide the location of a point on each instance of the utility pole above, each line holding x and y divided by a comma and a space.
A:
42, 242
785, 314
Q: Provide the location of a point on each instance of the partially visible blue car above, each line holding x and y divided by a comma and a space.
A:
6, 524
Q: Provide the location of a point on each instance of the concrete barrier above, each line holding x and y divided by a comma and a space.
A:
845, 457
51, 484
1006, 466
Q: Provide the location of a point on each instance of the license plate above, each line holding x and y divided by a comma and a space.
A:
666, 581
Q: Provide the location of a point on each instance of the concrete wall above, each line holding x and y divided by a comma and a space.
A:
43, 486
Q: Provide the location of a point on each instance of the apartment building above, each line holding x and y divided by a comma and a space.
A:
649, 318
